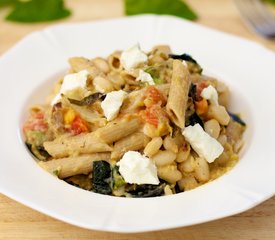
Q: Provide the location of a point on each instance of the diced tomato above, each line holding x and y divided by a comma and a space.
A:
36, 122
153, 97
154, 115
199, 88
78, 126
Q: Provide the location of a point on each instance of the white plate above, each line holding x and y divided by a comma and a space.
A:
29, 69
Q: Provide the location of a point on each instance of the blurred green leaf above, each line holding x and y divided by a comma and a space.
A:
4, 3
168, 7
270, 1
36, 10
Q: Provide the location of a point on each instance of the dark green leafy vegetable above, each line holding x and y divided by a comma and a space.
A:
147, 190
168, 7
34, 142
101, 177
192, 91
194, 119
38, 151
88, 100
37, 10
237, 119
193, 65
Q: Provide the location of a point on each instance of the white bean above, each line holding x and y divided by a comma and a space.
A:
212, 127
169, 173
202, 172
153, 146
164, 157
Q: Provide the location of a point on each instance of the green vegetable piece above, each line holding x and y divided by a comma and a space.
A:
158, 81
88, 100
38, 11
163, 7
35, 137
153, 71
118, 180
101, 177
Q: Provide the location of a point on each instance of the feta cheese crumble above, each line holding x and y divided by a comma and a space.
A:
205, 146
133, 57
145, 77
112, 103
211, 94
138, 169
71, 82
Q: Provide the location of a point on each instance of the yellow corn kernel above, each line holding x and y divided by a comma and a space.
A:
69, 116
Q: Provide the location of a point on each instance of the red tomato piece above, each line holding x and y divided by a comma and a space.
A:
79, 126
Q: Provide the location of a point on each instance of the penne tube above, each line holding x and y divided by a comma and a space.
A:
178, 94
114, 131
74, 145
67, 167
133, 142
81, 63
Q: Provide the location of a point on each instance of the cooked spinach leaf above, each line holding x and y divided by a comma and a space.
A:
193, 119
192, 91
168, 7
237, 119
147, 190
38, 151
88, 100
193, 65
101, 177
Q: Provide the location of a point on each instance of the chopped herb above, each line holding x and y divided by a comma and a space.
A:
158, 81
36, 10
88, 100
154, 72
162, 7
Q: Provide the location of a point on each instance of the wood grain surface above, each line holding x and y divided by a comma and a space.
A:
20, 222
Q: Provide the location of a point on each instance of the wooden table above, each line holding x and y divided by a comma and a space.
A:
20, 222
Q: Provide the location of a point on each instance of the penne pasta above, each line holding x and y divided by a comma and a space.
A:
133, 142
74, 145
178, 93
114, 131
70, 166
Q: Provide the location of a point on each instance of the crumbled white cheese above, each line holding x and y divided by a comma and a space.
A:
112, 103
138, 169
205, 146
145, 77
133, 57
211, 94
71, 82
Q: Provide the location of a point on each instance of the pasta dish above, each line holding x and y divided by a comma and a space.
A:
136, 124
